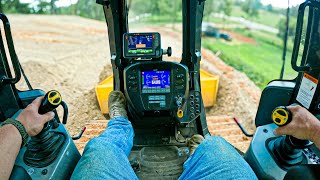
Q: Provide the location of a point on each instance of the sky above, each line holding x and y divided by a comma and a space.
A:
276, 3
58, 3
281, 3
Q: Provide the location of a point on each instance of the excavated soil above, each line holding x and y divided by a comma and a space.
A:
71, 54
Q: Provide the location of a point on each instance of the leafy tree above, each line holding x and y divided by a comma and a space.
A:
251, 7
210, 7
282, 28
89, 9
15, 6
43, 7
269, 8
227, 8
139, 7
53, 7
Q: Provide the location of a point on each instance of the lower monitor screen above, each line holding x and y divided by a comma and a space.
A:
155, 81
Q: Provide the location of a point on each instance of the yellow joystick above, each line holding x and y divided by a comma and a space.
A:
281, 116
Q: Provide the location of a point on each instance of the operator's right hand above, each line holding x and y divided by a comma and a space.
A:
32, 121
304, 125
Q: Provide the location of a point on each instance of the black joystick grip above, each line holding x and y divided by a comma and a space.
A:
281, 116
50, 102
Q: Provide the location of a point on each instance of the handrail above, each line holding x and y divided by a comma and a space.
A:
13, 55
299, 28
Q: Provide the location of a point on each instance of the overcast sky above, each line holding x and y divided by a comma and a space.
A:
282, 3
276, 3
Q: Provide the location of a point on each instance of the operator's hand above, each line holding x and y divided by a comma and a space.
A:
32, 120
304, 125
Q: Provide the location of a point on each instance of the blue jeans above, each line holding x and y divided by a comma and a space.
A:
106, 157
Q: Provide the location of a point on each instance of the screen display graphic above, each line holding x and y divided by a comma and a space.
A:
141, 44
155, 81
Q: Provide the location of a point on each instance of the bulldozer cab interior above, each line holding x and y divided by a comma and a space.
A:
286, 152
165, 104
164, 98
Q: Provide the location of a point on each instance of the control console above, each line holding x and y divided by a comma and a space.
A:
51, 154
155, 86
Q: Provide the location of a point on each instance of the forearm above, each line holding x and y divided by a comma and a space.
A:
317, 140
316, 135
10, 143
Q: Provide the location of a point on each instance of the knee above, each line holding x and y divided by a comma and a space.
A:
216, 141
98, 145
215, 144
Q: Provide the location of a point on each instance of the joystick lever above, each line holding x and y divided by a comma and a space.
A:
45, 147
51, 101
287, 150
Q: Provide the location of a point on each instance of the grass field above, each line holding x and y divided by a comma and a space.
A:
261, 61
265, 17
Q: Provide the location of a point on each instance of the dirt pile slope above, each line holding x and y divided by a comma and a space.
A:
69, 53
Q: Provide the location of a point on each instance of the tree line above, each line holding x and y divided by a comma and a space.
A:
170, 8
89, 8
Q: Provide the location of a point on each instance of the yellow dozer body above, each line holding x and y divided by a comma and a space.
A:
209, 90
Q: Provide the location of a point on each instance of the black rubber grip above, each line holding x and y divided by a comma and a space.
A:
50, 102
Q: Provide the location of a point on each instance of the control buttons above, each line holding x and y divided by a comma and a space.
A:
132, 82
133, 78
156, 90
180, 76
192, 115
159, 101
180, 87
194, 108
179, 80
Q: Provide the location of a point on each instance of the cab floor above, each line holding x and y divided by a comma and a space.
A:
158, 162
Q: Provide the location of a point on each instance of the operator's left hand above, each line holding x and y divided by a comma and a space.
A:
32, 121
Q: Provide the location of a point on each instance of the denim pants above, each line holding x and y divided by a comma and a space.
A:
106, 157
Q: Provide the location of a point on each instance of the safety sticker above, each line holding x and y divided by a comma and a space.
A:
307, 89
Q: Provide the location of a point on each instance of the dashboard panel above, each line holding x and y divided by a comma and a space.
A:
156, 86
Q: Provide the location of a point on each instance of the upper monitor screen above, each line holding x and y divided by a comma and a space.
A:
155, 81
140, 44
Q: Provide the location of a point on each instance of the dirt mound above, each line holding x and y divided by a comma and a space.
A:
71, 54
237, 96
87, 109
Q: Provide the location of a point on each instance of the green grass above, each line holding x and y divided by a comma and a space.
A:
265, 17
261, 61
163, 19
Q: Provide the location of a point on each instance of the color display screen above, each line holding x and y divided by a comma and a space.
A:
140, 44
155, 81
